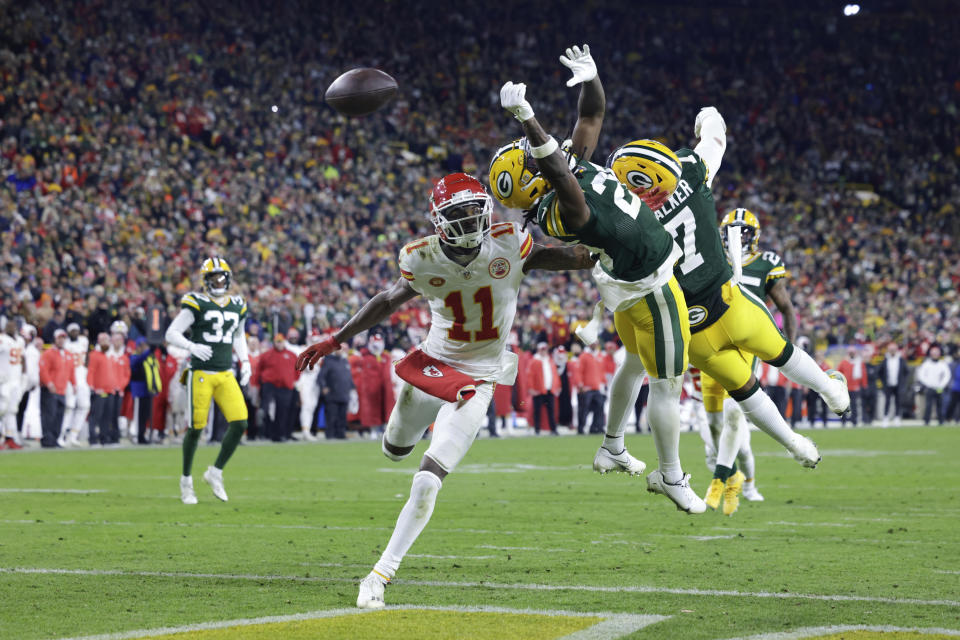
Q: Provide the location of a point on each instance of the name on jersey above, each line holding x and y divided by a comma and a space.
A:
682, 192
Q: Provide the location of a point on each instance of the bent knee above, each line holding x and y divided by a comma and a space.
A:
394, 452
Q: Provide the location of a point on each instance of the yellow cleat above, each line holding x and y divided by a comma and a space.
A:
714, 493
731, 493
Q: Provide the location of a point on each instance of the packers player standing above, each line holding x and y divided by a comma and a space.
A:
724, 318
214, 322
634, 273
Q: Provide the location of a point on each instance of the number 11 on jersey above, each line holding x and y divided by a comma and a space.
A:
482, 297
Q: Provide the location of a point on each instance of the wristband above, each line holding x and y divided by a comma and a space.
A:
545, 149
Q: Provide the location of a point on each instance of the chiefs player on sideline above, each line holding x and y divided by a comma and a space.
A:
470, 272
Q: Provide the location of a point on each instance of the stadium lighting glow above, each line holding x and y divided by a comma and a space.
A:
851, 10
274, 108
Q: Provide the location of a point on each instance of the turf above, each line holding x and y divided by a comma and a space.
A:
868, 538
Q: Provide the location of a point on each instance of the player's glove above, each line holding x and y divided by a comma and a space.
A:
590, 332
245, 372
705, 113
201, 352
312, 354
513, 99
580, 63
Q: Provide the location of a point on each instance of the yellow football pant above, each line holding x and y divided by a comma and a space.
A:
657, 329
219, 386
748, 326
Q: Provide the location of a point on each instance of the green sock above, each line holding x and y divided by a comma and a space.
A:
230, 442
723, 472
190, 441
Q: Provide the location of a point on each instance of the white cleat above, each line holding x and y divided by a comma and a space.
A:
681, 493
605, 462
371, 591
839, 402
750, 492
804, 451
187, 496
214, 477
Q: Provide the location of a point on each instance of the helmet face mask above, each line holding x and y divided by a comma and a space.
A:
461, 211
216, 274
749, 230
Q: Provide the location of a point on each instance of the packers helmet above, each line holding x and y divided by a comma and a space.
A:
216, 275
514, 177
749, 229
644, 164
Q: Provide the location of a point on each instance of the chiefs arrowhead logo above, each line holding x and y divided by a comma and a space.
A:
432, 372
499, 268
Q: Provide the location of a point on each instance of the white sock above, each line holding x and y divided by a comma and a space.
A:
664, 407
734, 424
613, 444
761, 411
745, 457
803, 369
624, 389
715, 422
413, 518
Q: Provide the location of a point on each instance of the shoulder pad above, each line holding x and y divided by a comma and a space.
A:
237, 300
415, 245
772, 258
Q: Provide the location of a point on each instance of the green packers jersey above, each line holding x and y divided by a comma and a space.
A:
761, 271
690, 215
621, 229
215, 326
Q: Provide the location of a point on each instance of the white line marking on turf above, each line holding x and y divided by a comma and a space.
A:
538, 549
612, 625
708, 538
491, 468
498, 585
52, 491
811, 632
945, 571
436, 557
853, 453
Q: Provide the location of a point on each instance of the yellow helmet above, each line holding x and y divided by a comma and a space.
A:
514, 177
216, 275
644, 164
749, 229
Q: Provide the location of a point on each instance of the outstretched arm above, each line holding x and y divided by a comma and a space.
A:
712, 131
559, 258
591, 104
378, 309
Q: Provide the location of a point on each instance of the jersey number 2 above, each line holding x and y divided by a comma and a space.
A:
484, 298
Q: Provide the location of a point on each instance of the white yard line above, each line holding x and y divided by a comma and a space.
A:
813, 632
498, 585
52, 491
612, 625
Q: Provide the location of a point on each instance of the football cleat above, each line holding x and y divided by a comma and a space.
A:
605, 462
750, 492
731, 493
840, 403
214, 477
371, 591
681, 493
11, 444
187, 496
805, 451
714, 493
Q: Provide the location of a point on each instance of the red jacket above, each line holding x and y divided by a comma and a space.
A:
56, 367
119, 370
535, 377
374, 388
853, 383
590, 373
276, 367
99, 375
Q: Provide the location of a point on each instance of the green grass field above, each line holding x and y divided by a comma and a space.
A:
525, 540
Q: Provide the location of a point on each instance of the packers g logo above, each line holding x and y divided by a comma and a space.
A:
697, 315
504, 184
639, 179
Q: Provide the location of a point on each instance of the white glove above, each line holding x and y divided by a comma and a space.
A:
590, 332
245, 372
513, 100
580, 63
705, 113
201, 352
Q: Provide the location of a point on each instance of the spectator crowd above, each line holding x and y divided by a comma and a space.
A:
137, 139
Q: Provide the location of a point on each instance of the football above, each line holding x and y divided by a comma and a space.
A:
359, 92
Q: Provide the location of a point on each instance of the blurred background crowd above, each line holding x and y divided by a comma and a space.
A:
138, 138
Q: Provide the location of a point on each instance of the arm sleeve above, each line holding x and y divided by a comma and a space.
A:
175, 332
239, 342
713, 144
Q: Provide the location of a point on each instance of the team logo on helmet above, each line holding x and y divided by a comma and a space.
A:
499, 268
697, 315
639, 180
504, 184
